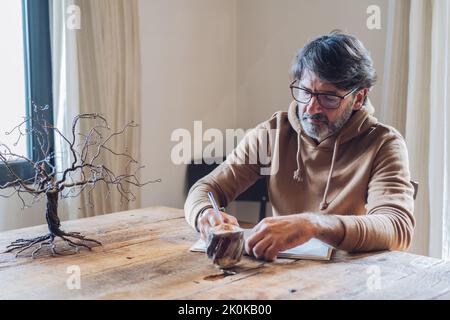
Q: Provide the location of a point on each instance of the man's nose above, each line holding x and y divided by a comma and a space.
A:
313, 107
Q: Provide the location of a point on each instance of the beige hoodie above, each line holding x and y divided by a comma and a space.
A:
361, 175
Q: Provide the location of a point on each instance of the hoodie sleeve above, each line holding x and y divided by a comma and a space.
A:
389, 223
241, 170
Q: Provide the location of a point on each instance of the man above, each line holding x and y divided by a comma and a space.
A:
342, 177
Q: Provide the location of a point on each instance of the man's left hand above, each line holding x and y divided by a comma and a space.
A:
276, 234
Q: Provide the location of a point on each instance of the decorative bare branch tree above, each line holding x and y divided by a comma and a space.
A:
85, 172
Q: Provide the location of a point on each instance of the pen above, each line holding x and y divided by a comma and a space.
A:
215, 207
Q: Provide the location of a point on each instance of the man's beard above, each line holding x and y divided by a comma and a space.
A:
325, 130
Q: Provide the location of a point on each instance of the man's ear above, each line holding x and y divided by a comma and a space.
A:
359, 100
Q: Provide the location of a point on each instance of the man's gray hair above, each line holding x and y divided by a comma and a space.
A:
338, 58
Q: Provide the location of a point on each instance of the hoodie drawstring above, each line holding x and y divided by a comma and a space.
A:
298, 174
324, 205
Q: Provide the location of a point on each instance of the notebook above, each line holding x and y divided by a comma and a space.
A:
312, 250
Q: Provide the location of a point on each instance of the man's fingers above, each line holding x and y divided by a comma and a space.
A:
260, 248
230, 219
271, 253
214, 220
210, 219
252, 241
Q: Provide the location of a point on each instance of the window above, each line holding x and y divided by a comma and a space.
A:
26, 76
12, 79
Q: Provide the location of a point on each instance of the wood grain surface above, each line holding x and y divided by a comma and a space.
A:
145, 255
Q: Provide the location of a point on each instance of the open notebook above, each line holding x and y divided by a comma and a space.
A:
311, 250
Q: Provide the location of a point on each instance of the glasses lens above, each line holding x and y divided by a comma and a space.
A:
301, 95
330, 102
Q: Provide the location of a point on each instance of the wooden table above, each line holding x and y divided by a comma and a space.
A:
145, 256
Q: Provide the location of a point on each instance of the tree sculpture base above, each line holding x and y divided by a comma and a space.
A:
39, 243
54, 225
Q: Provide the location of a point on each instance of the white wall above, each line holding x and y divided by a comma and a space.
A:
189, 73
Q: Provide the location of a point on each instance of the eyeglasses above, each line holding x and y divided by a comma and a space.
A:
326, 100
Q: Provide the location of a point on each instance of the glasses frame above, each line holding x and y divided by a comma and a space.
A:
313, 94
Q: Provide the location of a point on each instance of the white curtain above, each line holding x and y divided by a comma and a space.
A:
440, 131
96, 69
396, 66
416, 93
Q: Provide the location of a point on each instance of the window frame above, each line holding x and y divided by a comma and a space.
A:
38, 81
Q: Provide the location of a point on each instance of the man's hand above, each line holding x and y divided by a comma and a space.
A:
276, 234
209, 219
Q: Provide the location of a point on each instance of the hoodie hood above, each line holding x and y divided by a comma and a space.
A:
361, 121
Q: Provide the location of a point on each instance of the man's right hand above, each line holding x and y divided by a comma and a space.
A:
208, 219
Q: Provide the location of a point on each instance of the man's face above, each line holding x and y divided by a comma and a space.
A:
318, 122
